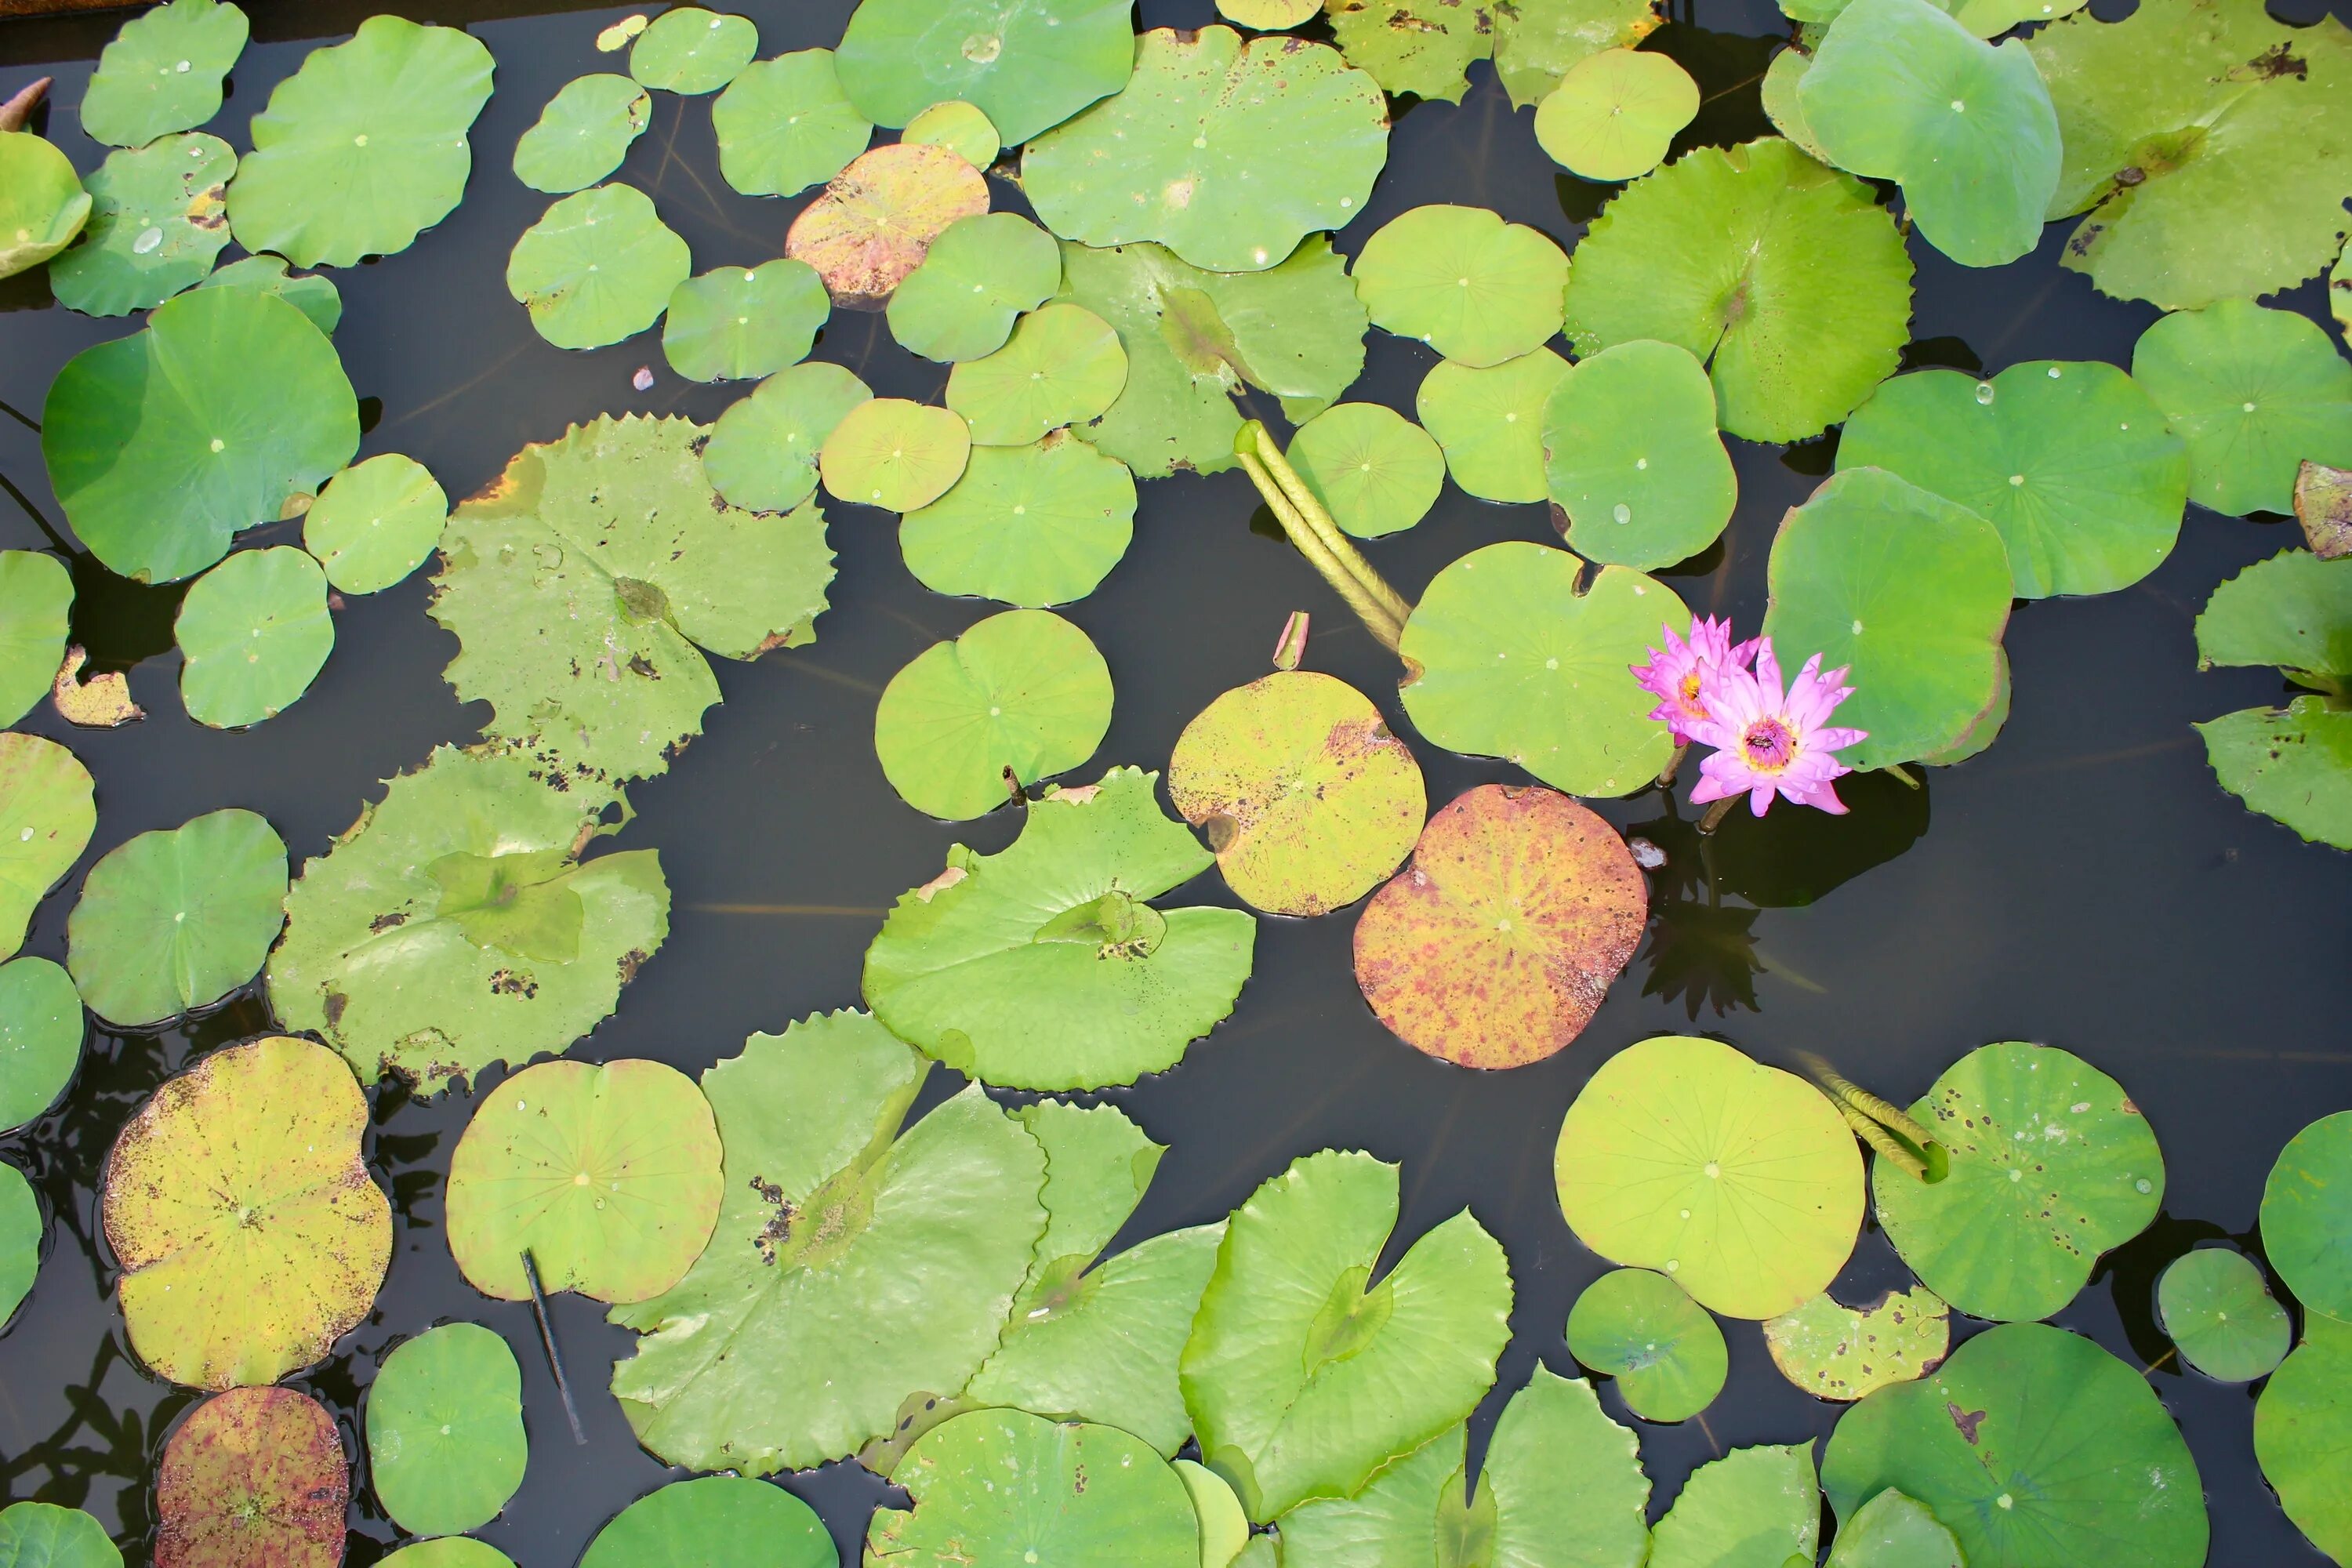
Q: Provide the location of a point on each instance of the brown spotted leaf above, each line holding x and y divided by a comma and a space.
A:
2323, 504
252, 1478
875, 222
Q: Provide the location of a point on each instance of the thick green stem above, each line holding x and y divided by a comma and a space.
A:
1884, 1127
1382, 609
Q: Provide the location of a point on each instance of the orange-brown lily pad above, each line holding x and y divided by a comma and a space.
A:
254, 1478
1493, 948
875, 222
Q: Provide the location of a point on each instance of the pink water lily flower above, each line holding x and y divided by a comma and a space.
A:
1773, 743
1679, 675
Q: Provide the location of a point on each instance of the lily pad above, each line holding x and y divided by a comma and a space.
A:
899, 456
253, 633
2051, 1165
1034, 525
2323, 507
1225, 1528
1267, 16
876, 219
1203, 133
1892, 1530
1632, 455
363, 147
1490, 422
961, 128
47, 815
41, 1033
375, 522
321, 302
1786, 278
2254, 393
255, 1475
43, 1535
1018, 698
248, 1232
2306, 1218
1521, 657
1474, 288
1832, 1350
784, 125
1614, 113
582, 134
739, 323
606, 1175
1420, 47
1736, 1180
1028, 65
976, 280
1754, 1508
177, 919
2071, 462
163, 72
1063, 365
42, 203
449, 1552
2294, 764
1304, 1374
2214, 1306
1908, 592
445, 1434
1663, 1348
1782, 105
597, 267
691, 50
1041, 966
2303, 1433
1535, 41
21, 1230
161, 446
1374, 470
156, 225
37, 598
716, 1522
2075, 1440
763, 453
855, 1266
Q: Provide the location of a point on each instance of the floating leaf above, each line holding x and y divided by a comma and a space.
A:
2214, 1306
763, 453
2293, 764
253, 633
47, 815
582, 134
1632, 455
1063, 365
1418, 46
37, 598
40, 1037
321, 302
155, 225
1832, 1350
448, 1552
161, 446
1892, 1530
375, 522
1201, 133
2323, 506
163, 72
21, 1228
2075, 1440
1028, 65
1305, 1377
1520, 658
1754, 1508
444, 1434
253, 1476
2293, 610
1786, 276
890, 453
42, 203
363, 147
716, 1522
597, 267
1373, 469
177, 919
784, 125
1535, 41
1662, 1347
856, 1266
1738, 1180
959, 127
738, 324
1034, 525
996, 1488
2307, 1215
250, 1235
1225, 1528
1782, 105
976, 280
1267, 16
1474, 288
876, 219
691, 50
2302, 1429
2254, 393
968, 724
43, 1535
1490, 422
1614, 113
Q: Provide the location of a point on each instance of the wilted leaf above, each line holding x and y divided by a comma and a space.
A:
1418, 46
1832, 1350
876, 219
252, 1478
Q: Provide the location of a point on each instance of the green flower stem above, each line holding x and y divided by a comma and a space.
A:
1884, 1127
1381, 607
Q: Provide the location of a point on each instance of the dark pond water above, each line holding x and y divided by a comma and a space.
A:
2084, 883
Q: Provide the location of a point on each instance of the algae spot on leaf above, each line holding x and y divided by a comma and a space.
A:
42, 203
1028, 65
739, 323
1663, 1349
582, 134
2213, 1304
177, 919
375, 522
763, 453
163, 72
691, 50
2254, 393
1615, 114
1760, 1505
1035, 525
252, 1476
876, 220
783, 125
253, 633
597, 267
714, 1522
444, 1432
47, 812
1474, 288
1832, 1350
2306, 1216
155, 227
1632, 455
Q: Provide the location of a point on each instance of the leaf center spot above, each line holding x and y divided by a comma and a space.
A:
219, 445
1714, 1170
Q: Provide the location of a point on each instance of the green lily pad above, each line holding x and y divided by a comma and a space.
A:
597, 267
250, 1233
1035, 525
875, 223
1832, 1350
2254, 393
1663, 1348
256, 1476
177, 919
1632, 455
1307, 798
161, 446
1614, 113
2076, 1441
253, 633
2214, 1305
1374, 470
1041, 966
21, 1230
2205, 143
1783, 106
2303, 1435
1520, 657
582, 582
1736, 1180
1474, 288
2051, 1165
1225, 1528
1027, 65
43, 1535
1420, 47
716, 1522
1892, 1530
1535, 41
1267, 16
156, 225
1018, 698
1063, 365
321, 302
961, 128
1490, 422
582, 134
42, 203
2306, 1218
856, 1266
375, 522
47, 815
691, 50
763, 453
2294, 764
607, 1174
1496, 949
41, 1033
2293, 610
1906, 591
445, 1436
739, 323
363, 147
899, 456
1203, 131
1786, 276
163, 72
37, 598
1754, 1508
2071, 462
451, 1552
976, 280
393, 949
1195, 338
1304, 1376
784, 125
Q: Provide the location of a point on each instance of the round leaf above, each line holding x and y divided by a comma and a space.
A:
2254, 393
1063, 365
444, 1434
2214, 1305
253, 633
876, 221
1614, 113
1832, 1350
763, 453
42, 203
43, 1535
2291, 763
742, 322
1662, 1347
448, 1552
1225, 1528
1026, 64
959, 127
2307, 1220
717, 1522
36, 598
1474, 288
40, 1037
1536, 45
21, 1228
321, 302
1034, 525
597, 267
1020, 697
1423, 47
1373, 469
177, 919
375, 522
582, 133
783, 125
893, 453
255, 1475
1892, 1530
1490, 423
1632, 455
691, 50
2303, 1430
155, 227
1758, 1505
976, 280
47, 815
163, 72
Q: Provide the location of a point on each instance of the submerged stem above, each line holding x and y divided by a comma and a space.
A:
1381, 607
